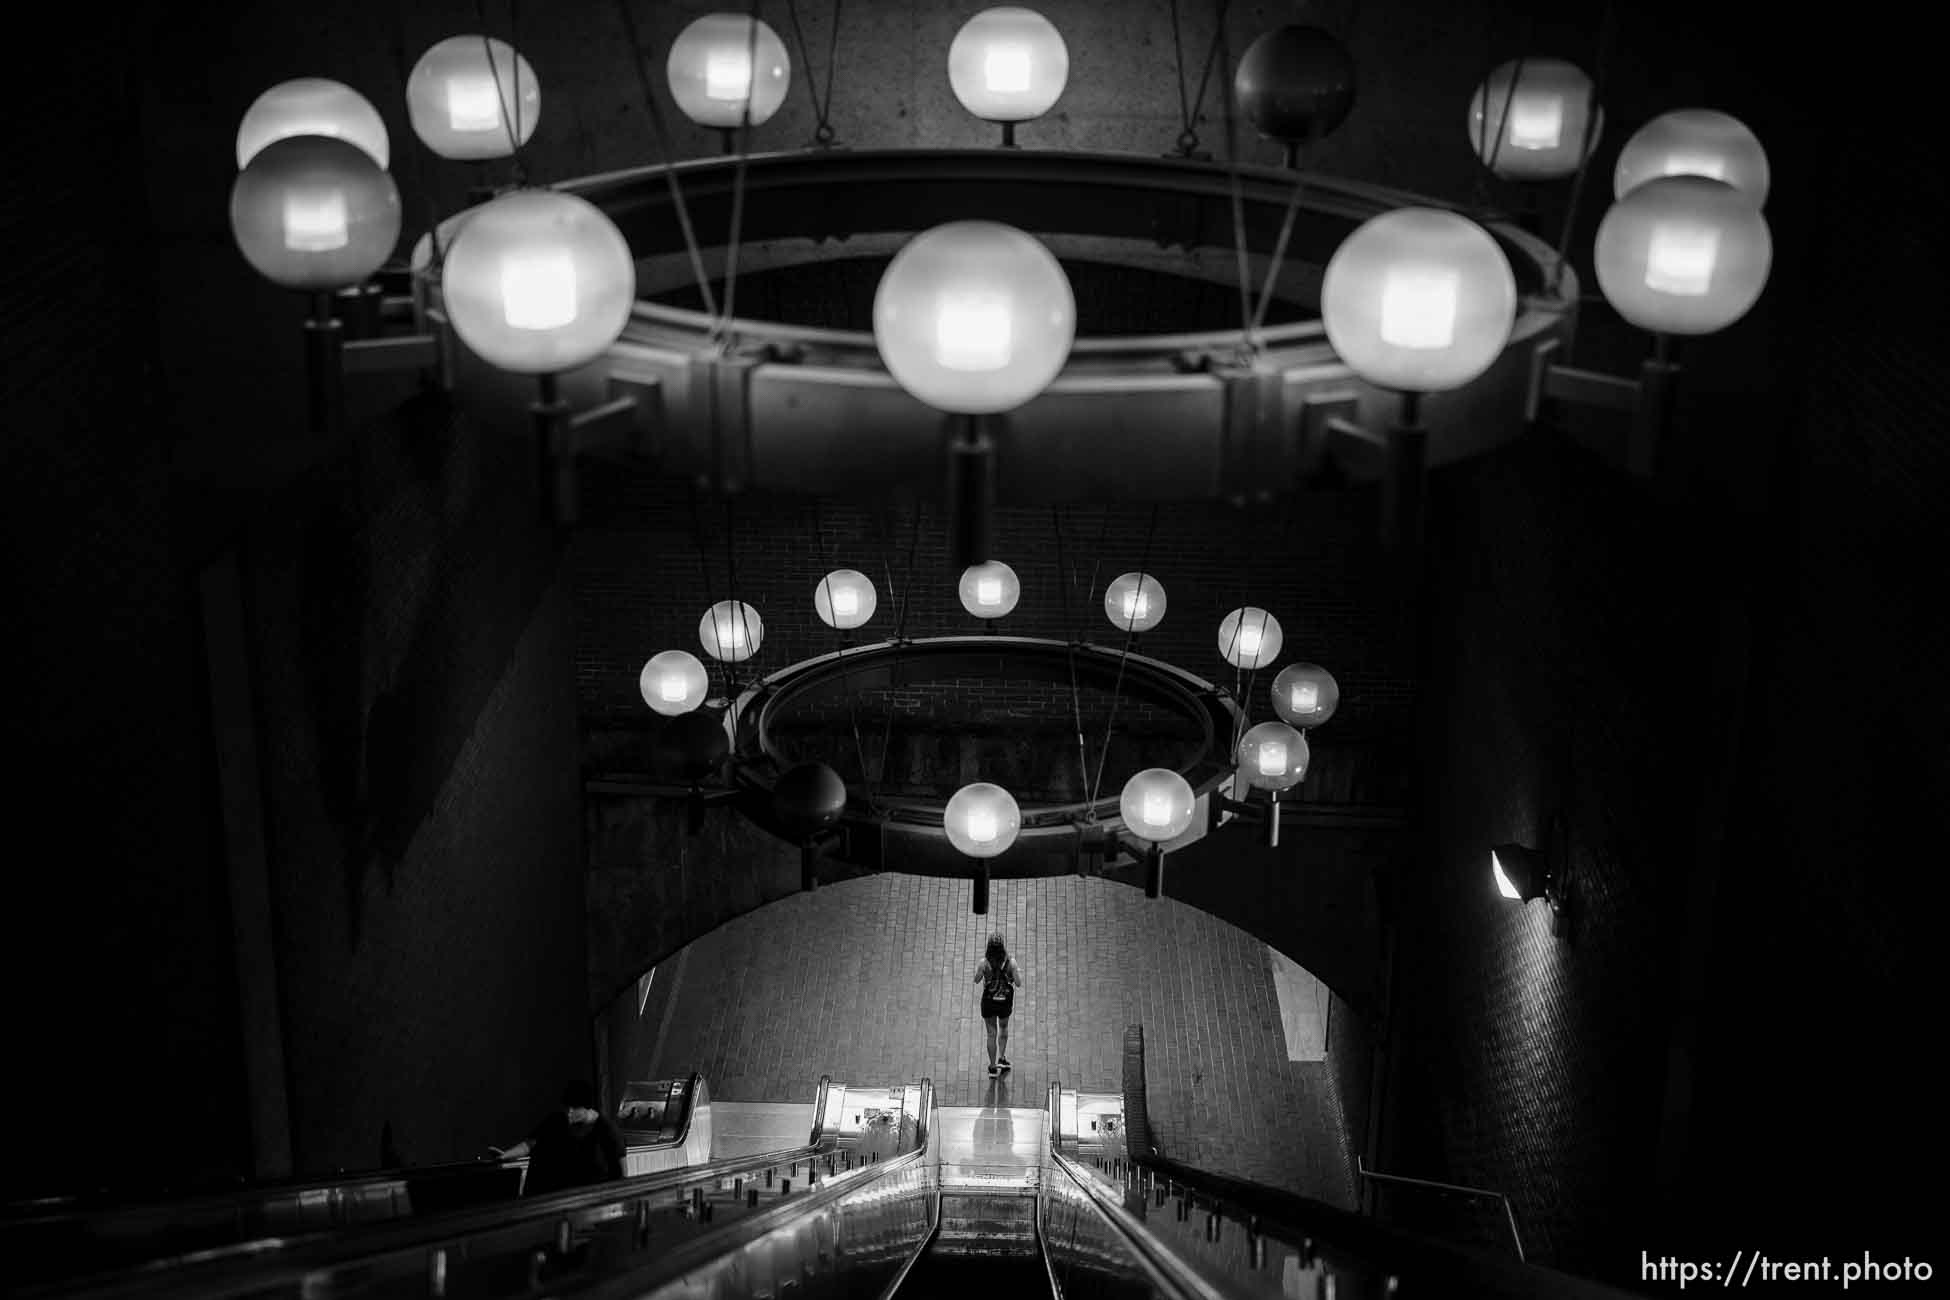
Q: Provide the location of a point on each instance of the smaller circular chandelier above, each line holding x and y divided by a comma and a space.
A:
989, 590
845, 599
1249, 638
1694, 142
473, 98
731, 631
314, 212
1134, 602
1305, 695
728, 70
311, 106
673, 682
1535, 119
1008, 65
1683, 255
982, 820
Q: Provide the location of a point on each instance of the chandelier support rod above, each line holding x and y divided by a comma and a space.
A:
324, 368
971, 491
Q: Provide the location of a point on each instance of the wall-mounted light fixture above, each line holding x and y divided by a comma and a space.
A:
1524, 875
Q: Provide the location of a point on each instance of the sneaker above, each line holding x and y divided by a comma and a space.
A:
995, 1072
1003, 1065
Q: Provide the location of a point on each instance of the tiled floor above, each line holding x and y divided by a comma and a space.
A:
872, 981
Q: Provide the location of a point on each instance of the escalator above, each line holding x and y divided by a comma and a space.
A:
890, 1197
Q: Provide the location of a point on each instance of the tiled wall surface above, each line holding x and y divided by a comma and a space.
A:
872, 980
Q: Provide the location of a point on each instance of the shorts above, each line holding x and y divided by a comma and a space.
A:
996, 1010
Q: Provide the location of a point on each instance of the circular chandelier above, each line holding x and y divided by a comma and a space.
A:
1428, 333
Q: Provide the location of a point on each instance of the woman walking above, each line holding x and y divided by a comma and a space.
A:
999, 978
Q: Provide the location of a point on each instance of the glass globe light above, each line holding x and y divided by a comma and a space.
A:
1528, 119
1418, 300
537, 281
1134, 602
1008, 64
1295, 83
673, 682
465, 108
311, 106
711, 65
982, 820
989, 590
1683, 255
1305, 695
1157, 804
845, 599
314, 212
1250, 638
1694, 142
1273, 756
731, 631
974, 317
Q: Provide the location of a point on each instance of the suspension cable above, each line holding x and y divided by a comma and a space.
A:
704, 571
1238, 197
438, 255
822, 106
501, 102
738, 173
662, 136
1607, 37
1076, 700
900, 623
1117, 690
846, 673
1188, 110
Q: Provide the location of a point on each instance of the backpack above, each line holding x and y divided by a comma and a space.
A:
999, 987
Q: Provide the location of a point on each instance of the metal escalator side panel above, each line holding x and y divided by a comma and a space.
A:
1085, 1226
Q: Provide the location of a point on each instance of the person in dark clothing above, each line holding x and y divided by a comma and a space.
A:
999, 978
572, 1147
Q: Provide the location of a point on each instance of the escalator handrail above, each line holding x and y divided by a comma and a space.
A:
312, 1251
701, 1251
52, 1212
1294, 1218
1167, 1273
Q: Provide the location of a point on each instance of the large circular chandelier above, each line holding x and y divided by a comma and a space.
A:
1427, 333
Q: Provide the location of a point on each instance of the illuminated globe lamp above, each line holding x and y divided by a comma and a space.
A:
537, 283
1295, 84
316, 213
473, 99
1417, 300
673, 682
1134, 602
973, 318
1305, 695
1694, 142
1157, 806
982, 821
1683, 255
731, 631
845, 599
312, 106
1008, 65
1250, 638
1273, 757
726, 71
1535, 119
989, 591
